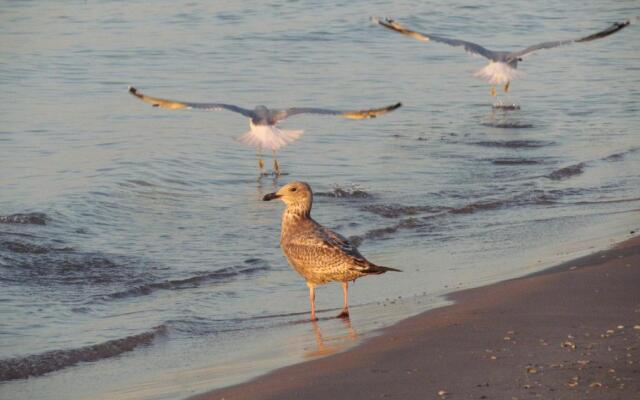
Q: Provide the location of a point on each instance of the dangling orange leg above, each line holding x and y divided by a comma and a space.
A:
260, 162
493, 91
345, 307
312, 300
276, 166
506, 87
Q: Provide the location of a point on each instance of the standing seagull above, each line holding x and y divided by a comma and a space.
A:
264, 133
315, 252
502, 68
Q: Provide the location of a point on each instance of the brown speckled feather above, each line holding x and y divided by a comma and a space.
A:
317, 253
321, 255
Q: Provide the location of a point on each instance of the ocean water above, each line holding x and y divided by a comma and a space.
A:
136, 258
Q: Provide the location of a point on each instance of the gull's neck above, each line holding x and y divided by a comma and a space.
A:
293, 215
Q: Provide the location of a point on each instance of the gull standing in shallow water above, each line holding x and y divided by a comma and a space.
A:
264, 133
502, 68
315, 252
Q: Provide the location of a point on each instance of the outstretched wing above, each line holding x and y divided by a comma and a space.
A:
360, 114
470, 47
617, 26
178, 105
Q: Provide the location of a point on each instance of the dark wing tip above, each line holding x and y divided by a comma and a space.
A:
615, 27
142, 97
387, 109
387, 23
134, 92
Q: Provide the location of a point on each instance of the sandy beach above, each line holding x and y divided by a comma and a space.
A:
138, 260
570, 332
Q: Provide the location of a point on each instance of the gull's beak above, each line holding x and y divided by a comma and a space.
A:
270, 196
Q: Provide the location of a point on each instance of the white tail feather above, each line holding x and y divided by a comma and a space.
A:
498, 73
269, 137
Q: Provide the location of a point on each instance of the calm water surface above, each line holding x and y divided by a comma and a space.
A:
136, 258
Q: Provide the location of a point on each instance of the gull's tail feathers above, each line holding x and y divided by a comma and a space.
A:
373, 269
498, 73
269, 137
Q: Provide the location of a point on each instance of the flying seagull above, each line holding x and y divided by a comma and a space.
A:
315, 252
502, 68
265, 133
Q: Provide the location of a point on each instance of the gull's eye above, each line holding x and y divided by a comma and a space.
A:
293, 189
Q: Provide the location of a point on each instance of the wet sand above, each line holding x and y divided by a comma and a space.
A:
570, 332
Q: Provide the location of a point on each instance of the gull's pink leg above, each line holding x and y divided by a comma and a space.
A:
276, 166
345, 307
312, 300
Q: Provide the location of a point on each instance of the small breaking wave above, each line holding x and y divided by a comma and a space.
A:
567, 172
42, 265
24, 248
398, 210
508, 125
515, 161
577, 169
533, 197
40, 364
382, 233
479, 206
348, 193
621, 155
514, 144
254, 266
35, 218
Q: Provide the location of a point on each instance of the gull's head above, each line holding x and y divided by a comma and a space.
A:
296, 195
262, 116
261, 111
513, 62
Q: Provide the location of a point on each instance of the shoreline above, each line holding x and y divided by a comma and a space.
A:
569, 331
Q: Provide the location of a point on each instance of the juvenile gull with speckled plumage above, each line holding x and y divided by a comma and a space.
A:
315, 252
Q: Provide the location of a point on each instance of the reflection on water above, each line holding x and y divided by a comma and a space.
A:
326, 345
507, 116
